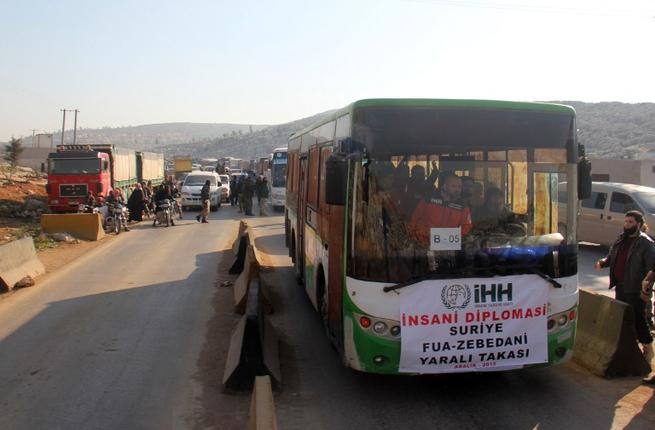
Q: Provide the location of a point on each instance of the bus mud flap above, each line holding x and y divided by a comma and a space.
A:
18, 259
253, 347
606, 339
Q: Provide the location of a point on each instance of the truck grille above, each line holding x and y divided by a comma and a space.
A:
73, 190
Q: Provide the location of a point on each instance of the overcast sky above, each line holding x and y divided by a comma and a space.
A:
263, 62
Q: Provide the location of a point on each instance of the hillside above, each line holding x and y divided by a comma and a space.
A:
247, 146
616, 130
152, 136
609, 130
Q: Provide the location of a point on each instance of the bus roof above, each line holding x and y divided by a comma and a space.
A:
281, 149
443, 103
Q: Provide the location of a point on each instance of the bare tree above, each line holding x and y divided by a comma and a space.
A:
12, 153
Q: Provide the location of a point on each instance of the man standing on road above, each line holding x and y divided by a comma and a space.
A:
247, 193
204, 197
629, 259
646, 295
262, 196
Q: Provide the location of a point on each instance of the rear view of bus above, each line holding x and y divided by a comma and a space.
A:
433, 242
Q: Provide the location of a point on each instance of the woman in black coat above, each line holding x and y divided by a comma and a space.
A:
136, 204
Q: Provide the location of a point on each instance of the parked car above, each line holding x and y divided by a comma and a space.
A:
600, 217
193, 184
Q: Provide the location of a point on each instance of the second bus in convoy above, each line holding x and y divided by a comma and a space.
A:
426, 232
278, 179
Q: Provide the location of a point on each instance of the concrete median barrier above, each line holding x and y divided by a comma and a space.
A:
241, 285
606, 340
81, 226
253, 347
241, 243
237, 241
262, 406
18, 259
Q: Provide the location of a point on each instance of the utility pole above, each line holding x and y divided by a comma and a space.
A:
63, 126
33, 142
75, 128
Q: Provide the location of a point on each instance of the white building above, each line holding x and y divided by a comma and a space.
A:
640, 172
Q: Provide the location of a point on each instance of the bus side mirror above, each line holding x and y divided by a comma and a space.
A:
336, 176
584, 179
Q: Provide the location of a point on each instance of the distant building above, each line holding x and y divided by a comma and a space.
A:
640, 172
36, 158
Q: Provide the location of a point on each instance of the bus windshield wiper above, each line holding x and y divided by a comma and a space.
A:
446, 275
494, 269
532, 269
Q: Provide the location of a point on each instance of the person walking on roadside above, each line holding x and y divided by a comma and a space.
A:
247, 193
240, 199
630, 258
646, 296
136, 203
262, 196
204, 197
233, 191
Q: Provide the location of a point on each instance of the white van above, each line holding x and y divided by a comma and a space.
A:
600, 218
193, 184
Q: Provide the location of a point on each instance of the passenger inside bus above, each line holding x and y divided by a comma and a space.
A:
444, 210
493, 215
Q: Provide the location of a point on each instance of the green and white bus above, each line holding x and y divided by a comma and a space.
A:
425, 232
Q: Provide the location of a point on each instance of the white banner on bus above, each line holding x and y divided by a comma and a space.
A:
473, 324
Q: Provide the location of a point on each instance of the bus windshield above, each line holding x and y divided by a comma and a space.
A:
279, 169
427, 205
85, 166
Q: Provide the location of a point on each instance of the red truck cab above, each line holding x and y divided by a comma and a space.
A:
73, 172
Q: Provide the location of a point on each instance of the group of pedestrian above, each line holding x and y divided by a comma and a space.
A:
243, 188
631, 261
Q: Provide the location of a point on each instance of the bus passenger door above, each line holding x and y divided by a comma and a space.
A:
302, 214
542, 197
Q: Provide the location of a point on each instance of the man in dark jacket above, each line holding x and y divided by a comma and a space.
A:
247, 193
630, 258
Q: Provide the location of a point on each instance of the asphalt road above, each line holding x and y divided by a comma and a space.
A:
112, 341
319, 393
122, 339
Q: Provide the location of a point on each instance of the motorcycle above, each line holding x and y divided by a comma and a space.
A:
86, 209
116, 217
163, 213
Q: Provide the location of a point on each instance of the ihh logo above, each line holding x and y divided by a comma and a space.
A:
456, 296
493, 293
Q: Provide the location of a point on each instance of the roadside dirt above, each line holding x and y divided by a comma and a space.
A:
56, 258
18, 192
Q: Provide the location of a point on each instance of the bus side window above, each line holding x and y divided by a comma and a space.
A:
312, 191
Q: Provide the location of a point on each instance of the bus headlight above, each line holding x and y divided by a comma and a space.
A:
562, 320
379, 327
